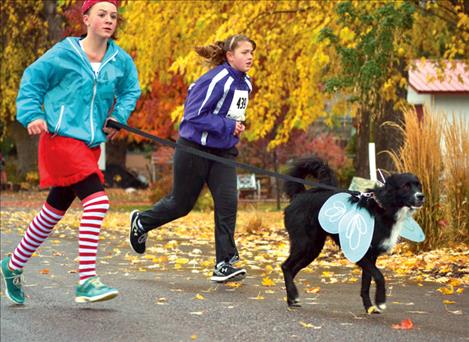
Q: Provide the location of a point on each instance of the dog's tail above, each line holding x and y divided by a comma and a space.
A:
311, 166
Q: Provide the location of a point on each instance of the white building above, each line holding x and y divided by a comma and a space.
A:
444, 90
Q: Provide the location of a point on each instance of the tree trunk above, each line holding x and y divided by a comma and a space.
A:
26, 148
386, 137
54, 21
277, 181
116, 152
361, 162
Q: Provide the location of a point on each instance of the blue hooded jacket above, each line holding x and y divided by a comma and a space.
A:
62, 89
214, 103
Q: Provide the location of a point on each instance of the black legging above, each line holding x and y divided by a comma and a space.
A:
61, 197
190, 173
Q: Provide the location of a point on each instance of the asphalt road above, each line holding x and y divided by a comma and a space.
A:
163, 306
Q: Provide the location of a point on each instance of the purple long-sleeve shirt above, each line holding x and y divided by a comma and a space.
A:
213, 105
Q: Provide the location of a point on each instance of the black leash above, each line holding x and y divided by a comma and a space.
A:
254, 169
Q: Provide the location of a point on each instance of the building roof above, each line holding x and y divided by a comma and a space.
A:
426, 77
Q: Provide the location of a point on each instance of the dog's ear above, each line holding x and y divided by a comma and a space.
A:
391, 179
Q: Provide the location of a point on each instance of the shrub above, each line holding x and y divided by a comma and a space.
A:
421, 155
435, 149
325, 146
456, 182
205, 201
161, 187
251, 222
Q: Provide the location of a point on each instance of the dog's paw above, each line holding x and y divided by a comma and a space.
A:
294, 303
373, 310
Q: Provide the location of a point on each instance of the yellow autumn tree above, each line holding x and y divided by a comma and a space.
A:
289, 59
24, 38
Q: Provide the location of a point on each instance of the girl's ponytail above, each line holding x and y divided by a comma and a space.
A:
215, 54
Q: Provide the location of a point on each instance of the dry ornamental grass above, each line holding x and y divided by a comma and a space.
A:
436, 149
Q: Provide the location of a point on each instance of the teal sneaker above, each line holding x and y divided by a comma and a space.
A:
93, 290
12, 279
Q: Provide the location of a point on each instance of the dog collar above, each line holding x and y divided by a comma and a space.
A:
373, 196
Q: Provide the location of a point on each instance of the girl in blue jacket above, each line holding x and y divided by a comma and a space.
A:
214, 112
66, 96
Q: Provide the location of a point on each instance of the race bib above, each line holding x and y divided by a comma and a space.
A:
238, 105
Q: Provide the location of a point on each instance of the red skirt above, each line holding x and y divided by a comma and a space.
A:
65, 161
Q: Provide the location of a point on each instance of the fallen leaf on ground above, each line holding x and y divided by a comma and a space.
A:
309, 325
182, 261
161, 301
44, 271
406, 324
268, 282
331, 280
449, 290
448, 302
259, 297
268, 269
233, 284
313, 289
455, 282
199, 296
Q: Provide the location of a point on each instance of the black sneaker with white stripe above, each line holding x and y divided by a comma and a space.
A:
225, 272
137, 236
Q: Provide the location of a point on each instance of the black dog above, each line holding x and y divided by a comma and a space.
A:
389, 205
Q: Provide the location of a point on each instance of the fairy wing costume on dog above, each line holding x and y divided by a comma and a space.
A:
355, 225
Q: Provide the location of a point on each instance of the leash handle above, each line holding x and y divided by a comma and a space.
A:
111, 123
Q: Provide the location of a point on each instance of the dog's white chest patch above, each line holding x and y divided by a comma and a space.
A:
400, 217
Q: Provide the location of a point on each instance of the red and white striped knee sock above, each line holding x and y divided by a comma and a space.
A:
38, 231
95, 208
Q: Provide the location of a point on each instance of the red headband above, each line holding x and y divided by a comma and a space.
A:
87, 4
